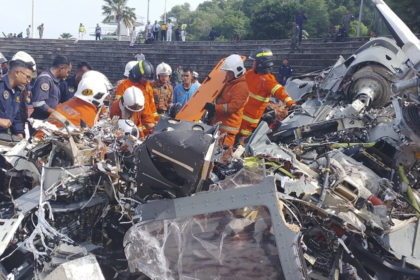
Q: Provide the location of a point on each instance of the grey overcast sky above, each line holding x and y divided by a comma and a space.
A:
61, 16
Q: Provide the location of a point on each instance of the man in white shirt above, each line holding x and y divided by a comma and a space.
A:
28, 32
148, 26
133, 36
195, 78
169, 32
139, 56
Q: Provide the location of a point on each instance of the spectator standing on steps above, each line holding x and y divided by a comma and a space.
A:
133, 36
177, 34
139, 56
183, 31
235, 37
295, 38
98, 32
348, 18
28, 32
300, 18
163, 31
155, 30
212, 34
82, 31
178, 75
285, 72
41, 30
169, 32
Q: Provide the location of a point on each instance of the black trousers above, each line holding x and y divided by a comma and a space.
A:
163, 34
98, 36
156, 35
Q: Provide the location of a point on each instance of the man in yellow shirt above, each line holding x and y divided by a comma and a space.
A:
82, 31
163, 28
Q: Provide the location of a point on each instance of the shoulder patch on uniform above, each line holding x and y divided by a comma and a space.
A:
45, 86
6, 94
87, 92
17, 99
71, 89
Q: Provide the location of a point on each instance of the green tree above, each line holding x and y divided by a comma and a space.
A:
180, 12
232, 21
66, 36
271, 19
408, 11
117, 10
318, 17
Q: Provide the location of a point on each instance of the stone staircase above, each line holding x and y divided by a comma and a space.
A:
110, 57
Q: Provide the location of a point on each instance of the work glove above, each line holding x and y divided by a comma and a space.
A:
211, 108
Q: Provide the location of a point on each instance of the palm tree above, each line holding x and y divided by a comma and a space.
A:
66, 36
117, 10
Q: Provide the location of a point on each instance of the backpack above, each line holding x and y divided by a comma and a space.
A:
155, 28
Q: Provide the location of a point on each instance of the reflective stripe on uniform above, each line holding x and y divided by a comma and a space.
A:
264, 54
141, 67
155, 114
62, 118
150, 125
275, 88
141, 128
117, 97
246, 132
39, 103
288, 99
260, 98
248, 119
229, 128
225, 108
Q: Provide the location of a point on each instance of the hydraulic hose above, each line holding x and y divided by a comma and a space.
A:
325, 184
410, 194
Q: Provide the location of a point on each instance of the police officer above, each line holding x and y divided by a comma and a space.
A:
19, 75
69, 86
46, 91
285, 72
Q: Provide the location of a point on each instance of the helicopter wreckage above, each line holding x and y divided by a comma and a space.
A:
331, 192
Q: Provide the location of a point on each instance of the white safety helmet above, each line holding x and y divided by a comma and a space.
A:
133, 99
163, 69
129, 128
2, 58
128, 67
23, 56
235, 64
93, 88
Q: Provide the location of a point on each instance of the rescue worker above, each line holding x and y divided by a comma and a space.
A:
69, 86
139, 76
262, 85
46, 91
20, 72
86, 104
127, 69
162, 89
130, 107
230, 103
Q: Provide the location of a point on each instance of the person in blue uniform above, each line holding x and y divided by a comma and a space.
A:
68, 87
285, 72
46, 91
300, 19
19, 75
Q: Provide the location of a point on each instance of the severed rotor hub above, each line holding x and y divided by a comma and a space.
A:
367, 90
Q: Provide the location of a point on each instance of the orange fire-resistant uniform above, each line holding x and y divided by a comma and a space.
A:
73, 111
143, 121
229, 108
261, 88
150, 107
163, 95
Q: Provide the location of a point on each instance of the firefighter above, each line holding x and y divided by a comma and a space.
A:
130, 107
262, 85
230, 104
162, 89
139, 76
83, 109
